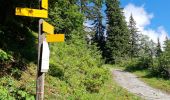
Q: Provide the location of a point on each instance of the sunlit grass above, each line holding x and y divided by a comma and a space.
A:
155, 82
112, 91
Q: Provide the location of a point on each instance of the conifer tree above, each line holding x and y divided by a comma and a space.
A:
134, 38
166, 44
158, 49
117, 43
94, 14
98, 25
164, 59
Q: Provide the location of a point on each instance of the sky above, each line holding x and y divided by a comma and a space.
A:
151, 16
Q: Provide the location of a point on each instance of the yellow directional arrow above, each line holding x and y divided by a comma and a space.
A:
31, 12
55, 38
44, 4
47, 28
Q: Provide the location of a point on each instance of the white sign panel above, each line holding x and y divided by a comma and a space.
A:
45, 57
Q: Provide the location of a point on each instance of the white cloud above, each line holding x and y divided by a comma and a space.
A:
143, 19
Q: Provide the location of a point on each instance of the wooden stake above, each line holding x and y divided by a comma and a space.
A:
40, 75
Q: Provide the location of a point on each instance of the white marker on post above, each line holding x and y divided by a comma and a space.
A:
45, 57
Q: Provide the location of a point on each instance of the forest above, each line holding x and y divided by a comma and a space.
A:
79, 67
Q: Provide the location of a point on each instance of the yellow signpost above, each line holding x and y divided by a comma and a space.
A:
44, 4
44, 27
47, 28
55, 38
31, 12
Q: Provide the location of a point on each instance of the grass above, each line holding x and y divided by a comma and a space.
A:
144, 75
112, 91
155, 82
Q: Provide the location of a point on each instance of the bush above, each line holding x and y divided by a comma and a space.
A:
95, 79
79, 66
4, 94
161, 66
5, 57
137, 63
132, 64
9, 91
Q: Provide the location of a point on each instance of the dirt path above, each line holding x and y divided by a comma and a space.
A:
134, 85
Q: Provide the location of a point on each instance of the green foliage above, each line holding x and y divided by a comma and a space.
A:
4, 94
156, 63
117, 43
95, 79
137, 63
5, 57
65, 16
111, 91
158, 49
134, 38
75, 67
15, 72
24, 95
98, 27
161, 64
9, 91
156, 82
79, 66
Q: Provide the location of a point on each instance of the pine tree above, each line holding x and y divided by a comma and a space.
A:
166, 44
164, 59
158, 49
134, 38
65, 16
98, 25
94, 14
167, 51
117, 43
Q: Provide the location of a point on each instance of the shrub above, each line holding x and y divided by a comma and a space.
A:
79, 66
4, 94
9, 91
138, 63
5, 57
161, 66
131, 64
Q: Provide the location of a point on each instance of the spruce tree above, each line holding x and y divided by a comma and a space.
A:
94, 14
164, 66
117, 43
167, 51
134, 38
98, 25
167, 44
158, 49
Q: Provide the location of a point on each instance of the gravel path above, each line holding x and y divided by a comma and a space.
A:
134, 85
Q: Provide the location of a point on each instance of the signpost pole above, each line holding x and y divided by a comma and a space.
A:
43, 63
40, 75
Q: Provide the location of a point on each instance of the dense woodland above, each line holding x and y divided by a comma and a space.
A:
76, 66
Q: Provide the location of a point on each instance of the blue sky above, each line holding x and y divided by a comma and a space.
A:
160, 9
152, 16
